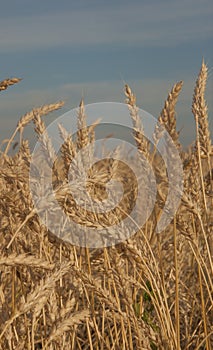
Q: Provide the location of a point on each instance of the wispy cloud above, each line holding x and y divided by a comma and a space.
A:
162, 23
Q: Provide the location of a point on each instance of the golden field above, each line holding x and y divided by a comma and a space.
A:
152, 291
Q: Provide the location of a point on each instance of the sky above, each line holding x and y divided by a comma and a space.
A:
64, 50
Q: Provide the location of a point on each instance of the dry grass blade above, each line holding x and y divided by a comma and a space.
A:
41, 111
25, 260
138, 133
203, 139
82, 133
68, 149
38, 297
167, 117
28, 117
66, 324
200, 111
8, 82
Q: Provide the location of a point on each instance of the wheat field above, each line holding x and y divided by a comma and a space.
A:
152, 291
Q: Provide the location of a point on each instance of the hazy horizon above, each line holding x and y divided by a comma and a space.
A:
67, 50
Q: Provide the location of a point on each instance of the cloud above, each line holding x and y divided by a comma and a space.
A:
161, 24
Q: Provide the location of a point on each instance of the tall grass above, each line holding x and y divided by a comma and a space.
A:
153, 291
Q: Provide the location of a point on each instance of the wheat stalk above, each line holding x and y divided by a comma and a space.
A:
8, 82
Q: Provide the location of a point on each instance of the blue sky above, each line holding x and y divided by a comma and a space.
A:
63, 49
